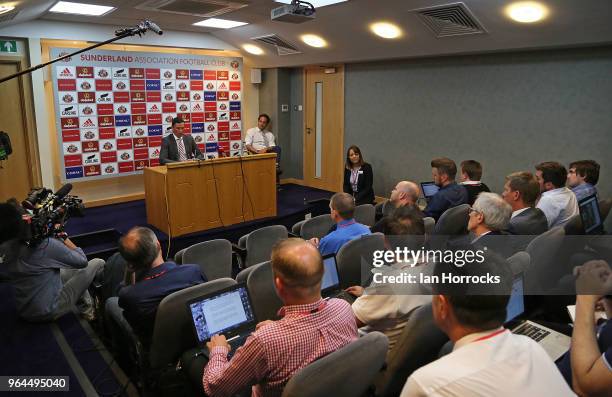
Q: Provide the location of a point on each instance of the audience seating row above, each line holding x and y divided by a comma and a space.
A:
419, 344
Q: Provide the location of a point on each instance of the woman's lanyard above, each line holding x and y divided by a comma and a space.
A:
354, 178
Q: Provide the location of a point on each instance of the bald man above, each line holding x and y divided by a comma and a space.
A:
405, 193
149, 280
310, 328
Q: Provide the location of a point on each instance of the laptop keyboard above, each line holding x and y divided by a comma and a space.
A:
345, 296
531, 331
235, 344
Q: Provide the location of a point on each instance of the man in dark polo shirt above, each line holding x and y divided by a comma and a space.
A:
443, 171
149, 280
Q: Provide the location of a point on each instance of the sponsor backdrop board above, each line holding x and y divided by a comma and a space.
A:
114, 108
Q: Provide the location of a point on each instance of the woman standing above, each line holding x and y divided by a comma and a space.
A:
358, 177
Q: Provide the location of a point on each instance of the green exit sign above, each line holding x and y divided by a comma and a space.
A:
8, 46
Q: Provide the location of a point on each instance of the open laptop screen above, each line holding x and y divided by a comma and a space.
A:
516, 304
330, 275
429, 189
591, 217
219, 313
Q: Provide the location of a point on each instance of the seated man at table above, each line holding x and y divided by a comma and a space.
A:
178, 146
258, 140
309, 329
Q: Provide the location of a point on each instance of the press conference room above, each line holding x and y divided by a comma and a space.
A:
306, 198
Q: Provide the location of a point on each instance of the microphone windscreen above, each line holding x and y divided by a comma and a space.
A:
153, 26
63, 191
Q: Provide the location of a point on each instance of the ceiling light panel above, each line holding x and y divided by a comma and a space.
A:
66, 7
220, 23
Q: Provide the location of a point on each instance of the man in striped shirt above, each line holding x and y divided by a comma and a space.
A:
310, 328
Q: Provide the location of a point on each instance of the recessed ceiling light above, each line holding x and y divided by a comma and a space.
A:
313, 40
220, 23
4, 9
252, 49
66, 7
315, 3
527, 11
386, 30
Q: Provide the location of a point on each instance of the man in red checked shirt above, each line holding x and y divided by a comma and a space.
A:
310, 328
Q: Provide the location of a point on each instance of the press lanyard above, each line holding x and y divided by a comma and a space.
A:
490, 335
347, 224
154, 276
320, 307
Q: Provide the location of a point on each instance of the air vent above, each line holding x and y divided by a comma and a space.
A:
202, 8
283, 47
450, 20
8, 16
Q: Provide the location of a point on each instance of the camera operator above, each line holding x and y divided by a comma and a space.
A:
50, 277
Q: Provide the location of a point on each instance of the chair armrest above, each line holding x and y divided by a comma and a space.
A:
240, 255
238, 250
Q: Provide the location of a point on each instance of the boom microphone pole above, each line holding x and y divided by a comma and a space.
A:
139, 30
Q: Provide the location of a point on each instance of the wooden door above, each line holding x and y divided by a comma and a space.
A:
324, 127
16, 176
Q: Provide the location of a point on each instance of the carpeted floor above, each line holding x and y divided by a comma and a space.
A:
63, 348
293, 202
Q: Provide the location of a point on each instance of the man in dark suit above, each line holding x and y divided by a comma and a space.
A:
177, 146
521, 191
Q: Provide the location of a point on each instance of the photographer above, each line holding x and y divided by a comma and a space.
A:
51, 276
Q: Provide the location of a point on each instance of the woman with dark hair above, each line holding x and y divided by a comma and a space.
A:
358, 177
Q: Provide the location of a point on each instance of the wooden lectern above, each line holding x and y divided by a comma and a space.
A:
192, 196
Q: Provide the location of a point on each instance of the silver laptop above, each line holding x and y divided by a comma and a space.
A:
554, 343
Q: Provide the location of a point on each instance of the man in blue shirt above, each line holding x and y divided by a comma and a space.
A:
149, 280
443, 171
582, 178
342, 207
